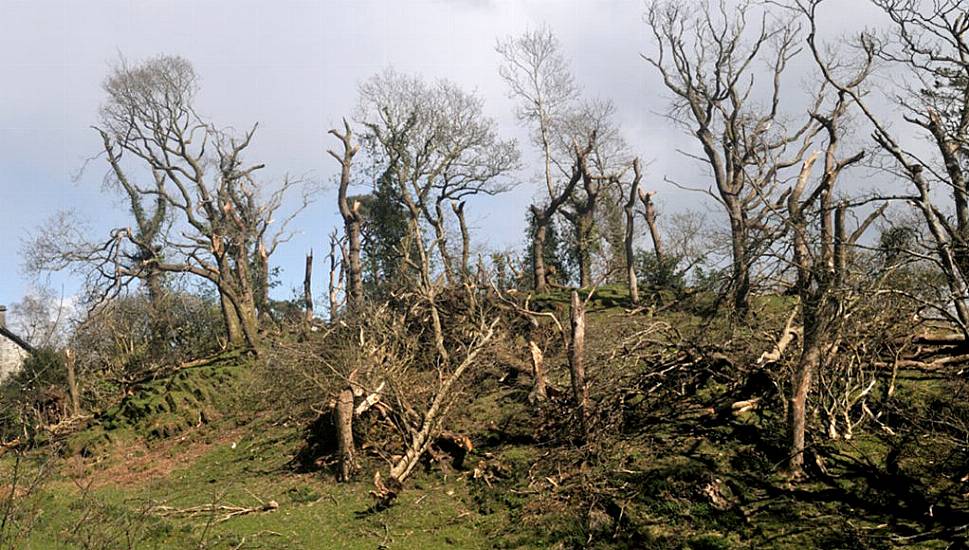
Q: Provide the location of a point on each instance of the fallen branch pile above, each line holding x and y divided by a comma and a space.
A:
226, 512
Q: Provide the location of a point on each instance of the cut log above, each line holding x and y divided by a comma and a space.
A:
740, 407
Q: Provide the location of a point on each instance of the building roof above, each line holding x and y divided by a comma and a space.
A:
5, 332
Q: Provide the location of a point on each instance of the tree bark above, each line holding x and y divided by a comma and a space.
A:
841, 243
580, 391
343, 421
649, 212
308, 288
538, 251
235, 295
233, 328
583, 234
740, 284
539, 390
458, 208
249, 322
354, 267
803, 379
630, 210
156, 288
440, 237
352, 218
261, 288
336, 277
70, 362
245, 297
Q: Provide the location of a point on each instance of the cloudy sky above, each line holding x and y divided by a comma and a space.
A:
294, 66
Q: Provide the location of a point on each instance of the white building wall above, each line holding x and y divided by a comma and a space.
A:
11, 358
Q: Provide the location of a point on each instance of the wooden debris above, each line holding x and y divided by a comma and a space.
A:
787, 336
226, 512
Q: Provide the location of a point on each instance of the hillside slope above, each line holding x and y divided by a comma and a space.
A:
206, 459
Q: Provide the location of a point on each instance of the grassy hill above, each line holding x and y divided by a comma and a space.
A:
209, 458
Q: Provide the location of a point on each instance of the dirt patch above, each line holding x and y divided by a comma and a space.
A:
135, 462
18, 492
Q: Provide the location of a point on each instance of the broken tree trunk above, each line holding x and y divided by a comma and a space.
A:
308, 288
649, 213
538, 252
539, 390
433, 418
458, 208
630, 209
343, 421
70, 361
580, 391
336, 277
803, 379
543, 216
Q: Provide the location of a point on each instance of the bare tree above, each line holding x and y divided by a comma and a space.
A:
41, 318
149, 222
600, 172
707, 57
929, 46
225, 227
352, 219
820, 250
582, 217
439, 146
539, 77
630, 234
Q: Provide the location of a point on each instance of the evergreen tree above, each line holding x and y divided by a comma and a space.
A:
384, 233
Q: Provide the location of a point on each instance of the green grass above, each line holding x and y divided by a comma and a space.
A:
152, 449
314, 512
223, 463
